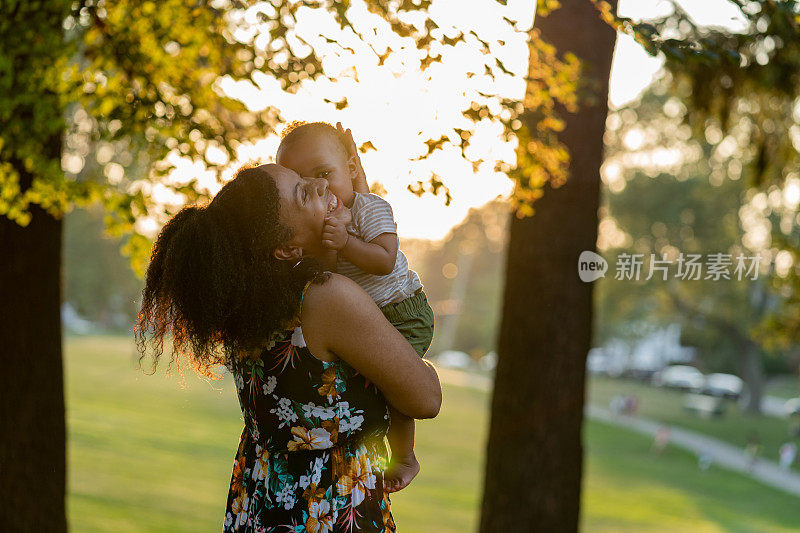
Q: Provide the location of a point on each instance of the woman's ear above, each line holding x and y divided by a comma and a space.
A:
288, 252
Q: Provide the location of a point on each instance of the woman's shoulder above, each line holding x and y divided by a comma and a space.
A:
336, 305
335, 289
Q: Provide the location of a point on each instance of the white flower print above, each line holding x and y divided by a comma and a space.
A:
286, 496
239, 380
297, 337
313, 411
352, 423
284, 412
305, 481
269, 386
228, 519
316, 470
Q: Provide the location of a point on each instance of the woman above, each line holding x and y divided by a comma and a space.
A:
232, 282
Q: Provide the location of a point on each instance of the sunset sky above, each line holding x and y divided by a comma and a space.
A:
397, 108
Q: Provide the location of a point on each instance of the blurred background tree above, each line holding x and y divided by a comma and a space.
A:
104, 97
740, 91
126, 83
673, 192
99, 283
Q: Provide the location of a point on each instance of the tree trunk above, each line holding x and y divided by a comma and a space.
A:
534, 454
32, 421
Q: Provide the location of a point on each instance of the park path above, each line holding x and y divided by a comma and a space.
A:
723, 454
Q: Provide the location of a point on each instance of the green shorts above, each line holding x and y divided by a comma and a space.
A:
413, 317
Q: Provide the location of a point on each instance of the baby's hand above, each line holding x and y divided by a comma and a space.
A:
360, 180
334, 232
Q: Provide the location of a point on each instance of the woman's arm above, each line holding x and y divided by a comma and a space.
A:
340, 318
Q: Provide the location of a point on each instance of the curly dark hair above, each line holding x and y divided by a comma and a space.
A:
298, 130
213, 283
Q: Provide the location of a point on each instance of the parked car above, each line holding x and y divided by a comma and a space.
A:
488, 362
597, 363
723, 386
644, 366
682, 377
792, 407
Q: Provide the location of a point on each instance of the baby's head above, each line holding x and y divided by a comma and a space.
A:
319, 150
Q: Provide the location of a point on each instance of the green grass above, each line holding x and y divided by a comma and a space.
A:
147, 455
666, 406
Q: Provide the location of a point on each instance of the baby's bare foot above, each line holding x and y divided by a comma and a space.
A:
400, 472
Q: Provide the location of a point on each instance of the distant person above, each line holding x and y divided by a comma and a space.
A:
661, 439
752, 450
365, 250
794, 425
787, 454
631, 404
314, 361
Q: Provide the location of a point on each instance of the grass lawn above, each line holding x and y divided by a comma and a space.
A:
145, 454
665, 405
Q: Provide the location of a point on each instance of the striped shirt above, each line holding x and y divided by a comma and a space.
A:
372, 216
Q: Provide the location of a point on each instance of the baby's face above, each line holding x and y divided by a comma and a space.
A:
318, 155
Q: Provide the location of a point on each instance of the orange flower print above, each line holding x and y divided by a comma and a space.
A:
358, 479
313, 493
316, 439
328, 387
237, 483
239, 508
332, 427
261, 467
319, 521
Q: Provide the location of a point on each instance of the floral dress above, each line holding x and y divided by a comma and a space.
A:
312, 455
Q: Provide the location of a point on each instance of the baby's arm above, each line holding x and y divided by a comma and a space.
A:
377, 256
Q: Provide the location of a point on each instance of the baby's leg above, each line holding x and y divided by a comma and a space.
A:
403, 466
413, 318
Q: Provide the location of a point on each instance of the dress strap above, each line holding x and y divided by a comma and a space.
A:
303, 294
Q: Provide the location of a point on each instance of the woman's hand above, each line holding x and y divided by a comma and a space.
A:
340, 319
360, 180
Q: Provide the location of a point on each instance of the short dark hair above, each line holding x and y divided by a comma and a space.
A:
298, 129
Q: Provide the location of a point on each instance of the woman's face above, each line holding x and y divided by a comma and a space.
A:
304, 204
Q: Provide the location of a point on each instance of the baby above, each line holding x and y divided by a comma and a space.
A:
366, 250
